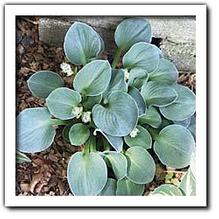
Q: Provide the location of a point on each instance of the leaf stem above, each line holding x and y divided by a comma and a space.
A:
116, 57
93, 148
90, 145
154, 133
86, 149
92, 142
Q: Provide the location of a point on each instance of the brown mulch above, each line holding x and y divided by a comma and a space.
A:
46, 174
188, 79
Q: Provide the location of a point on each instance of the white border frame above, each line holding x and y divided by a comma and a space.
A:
11, 11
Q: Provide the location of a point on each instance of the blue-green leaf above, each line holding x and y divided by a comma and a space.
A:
184, 123
126, 187
192, 126
21, 158
131, 31
93, 78
82, 44
118, 163
35, 132
151, 117
141, 166
188, 183
86, 173
142, 55
137, 77
183, 107
166, 72
158, 94
167, 190
112, 117
142, 139
117, 82
115, 141
61, 103
42, 83
110, 188
136, 95
65, 132
79, 134
174, 146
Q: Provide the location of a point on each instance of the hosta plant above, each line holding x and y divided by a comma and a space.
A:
122, 118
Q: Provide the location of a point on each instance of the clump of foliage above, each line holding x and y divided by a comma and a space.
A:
119, 117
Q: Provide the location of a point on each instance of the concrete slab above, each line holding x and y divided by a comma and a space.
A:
177, 35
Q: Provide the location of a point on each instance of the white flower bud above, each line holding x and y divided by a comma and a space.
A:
86, 117
134, 133
126, 73
77, 111
66, 68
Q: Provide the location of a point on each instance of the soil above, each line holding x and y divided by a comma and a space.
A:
46, 174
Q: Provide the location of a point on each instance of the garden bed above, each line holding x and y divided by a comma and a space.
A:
46, 173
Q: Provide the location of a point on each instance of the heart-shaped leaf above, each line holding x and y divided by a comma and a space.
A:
188, 184
167, 190
112, 118
127, 187
93, 78
131, 31
62, 101
86, 173
35, 132
142, 55
143, 139
166, 72
118, 163
110, 188
117, 82
82, 44
42, 83
136, 95
151, 117
78, 134
158, 94
115, 141
141, 166
137, 77
183, 107
89, 102
174, 146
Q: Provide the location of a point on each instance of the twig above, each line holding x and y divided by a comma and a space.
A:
31, 21
30, 69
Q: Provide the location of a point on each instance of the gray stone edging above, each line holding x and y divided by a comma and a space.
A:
177, 35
